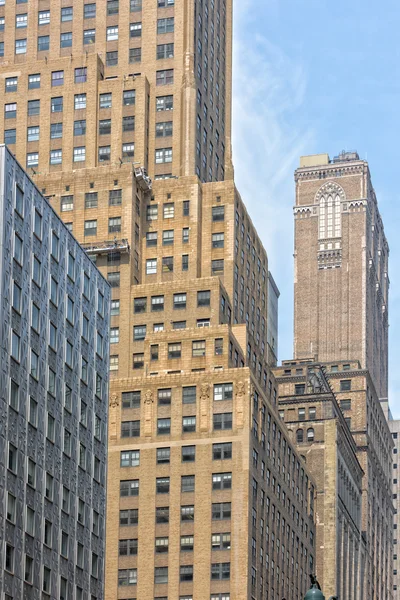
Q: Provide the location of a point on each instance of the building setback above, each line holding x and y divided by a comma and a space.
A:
207, 496
341, 320
318, 426
53, 404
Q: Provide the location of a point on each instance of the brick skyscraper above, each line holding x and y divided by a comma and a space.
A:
207, 496
341, 320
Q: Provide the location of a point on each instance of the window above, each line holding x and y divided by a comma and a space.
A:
138, 361
66, 40
139, 333
15, 345
163, 426
186, 573
345, 404
218, 240
104, 153
112, 33
165, 25
32, 159
89, 11
11, 84
175, 350
105, 100
165, 51
79, 101
222, 481
218, 213
164, 103
218, 346
161, 545
90, 228
185, 262
189, 395
128, 150
151, 266
310, 434
345, 385
11, 506
67, 203
188, 424
20, 46
114, 308
129, 97
135, 5
135, 55
89, 37
163, 456
199, 348
164, 129
57, 78
34, 81
112, 7
220, 571
128, 123
299, 436
157, 303
165, 3
21, 21
128, 547
115, 197
91, 200
114, 225
10, 110
152, 213
55, 157
164, 396
128, 517
222, 421
9, 562
179, 300
221, 510
1, 48
112, 58
129, 487
127, 577
57, 104
188, 453
10, 136
161, 575
221, 541
56, 131
203, 298
44, 17
130, 458
139, 304
66, 14
163, 155
43, 43
162, 514
165, 77
222, 451
162, 485
135, 29
217, 266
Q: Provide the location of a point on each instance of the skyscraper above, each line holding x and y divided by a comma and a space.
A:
53, 403
341, 320
207, 496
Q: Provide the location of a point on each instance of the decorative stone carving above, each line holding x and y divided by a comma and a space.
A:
204, 405
114, 401
239, 402
113, 404
148, 412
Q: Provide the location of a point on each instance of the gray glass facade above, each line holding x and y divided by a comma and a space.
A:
54, 339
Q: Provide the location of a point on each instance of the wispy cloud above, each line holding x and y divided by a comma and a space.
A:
268, 138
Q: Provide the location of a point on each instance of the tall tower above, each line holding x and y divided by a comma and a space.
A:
341, 266
341, 320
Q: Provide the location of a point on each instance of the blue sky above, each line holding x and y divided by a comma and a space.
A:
312, 76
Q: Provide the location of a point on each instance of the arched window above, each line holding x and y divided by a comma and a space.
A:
310, 434
329, 217
299, 435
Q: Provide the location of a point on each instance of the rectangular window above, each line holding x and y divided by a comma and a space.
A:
188, 454
112, 58
138, 360
66, 14
222, 451
135, 55
80, 75
89, 11
345, 404
162, 514
165, 51
130, 458
57, 78
179, 301
128, 517
79, 153
114, 225
174, 350
162, 485
44, 17
20, 46
151, 266
128, 123
90, 228
163, 455
130, 429
112, 33
222, 481
129, 487
66, 40
188, 424
21, 21
57, 104
164, 103
32, 159
67, 203
10, 110
11, 84
104, 153
10, 136
222, 421
218, 213
218, 240
55, 157
220, 571
199, 348
189, 395
135, 30
345, 385
128, 150
139, 333
165, 77
163, 426
163, 155
112, 7
89, 36
129, 97
221, 510
43, 43
79, 101
217, 266
165, 25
